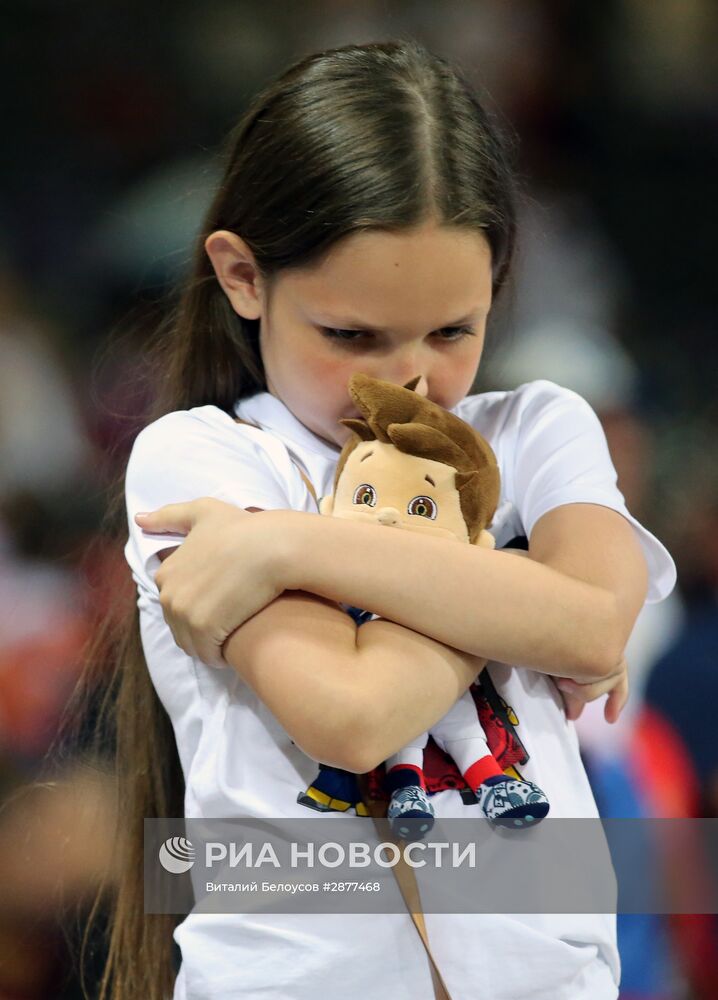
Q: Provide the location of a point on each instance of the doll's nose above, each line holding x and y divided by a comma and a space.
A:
388, 515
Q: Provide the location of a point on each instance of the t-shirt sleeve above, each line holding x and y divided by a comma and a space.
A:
561, 456
182, 457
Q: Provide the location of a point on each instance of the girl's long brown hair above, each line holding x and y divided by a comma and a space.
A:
376, 136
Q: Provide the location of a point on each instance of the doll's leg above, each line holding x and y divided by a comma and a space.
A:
410, 813
406, 766
460, 734
333, 790
504, 800
512, 802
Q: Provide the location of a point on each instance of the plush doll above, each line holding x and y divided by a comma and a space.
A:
414, 466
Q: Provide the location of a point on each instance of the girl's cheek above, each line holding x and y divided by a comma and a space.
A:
331, 372
302, 370
448, 389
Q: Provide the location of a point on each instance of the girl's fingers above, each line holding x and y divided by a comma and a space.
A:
616, 701
181, 637
179, 518
573, 705
576, 695
587, 692
195, 644
211, 654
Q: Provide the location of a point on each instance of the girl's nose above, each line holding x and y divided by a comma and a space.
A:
401, 378
404, 365
388, 516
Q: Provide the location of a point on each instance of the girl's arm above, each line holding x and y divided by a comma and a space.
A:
567, 610
348, 697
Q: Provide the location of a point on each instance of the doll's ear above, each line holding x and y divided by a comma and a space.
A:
326, 504
486, 540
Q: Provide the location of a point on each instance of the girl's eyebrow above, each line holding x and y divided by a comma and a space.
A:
345, 323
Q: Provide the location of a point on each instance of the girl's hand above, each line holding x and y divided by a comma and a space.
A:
576, 695
227, 570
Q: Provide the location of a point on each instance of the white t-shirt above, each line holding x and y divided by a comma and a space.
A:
238, 761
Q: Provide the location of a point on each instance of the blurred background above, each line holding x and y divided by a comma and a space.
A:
114, 115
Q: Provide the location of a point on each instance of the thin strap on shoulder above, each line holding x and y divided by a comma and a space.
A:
308, 485
305, 478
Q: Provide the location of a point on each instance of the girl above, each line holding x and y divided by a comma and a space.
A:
365, 222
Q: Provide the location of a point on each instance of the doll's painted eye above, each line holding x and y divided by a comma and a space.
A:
422, 507
365, 494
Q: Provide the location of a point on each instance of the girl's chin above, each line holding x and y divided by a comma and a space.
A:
341, 435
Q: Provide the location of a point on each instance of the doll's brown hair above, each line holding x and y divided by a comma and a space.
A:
397, 415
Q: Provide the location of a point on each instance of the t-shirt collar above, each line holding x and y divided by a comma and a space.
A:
267, 411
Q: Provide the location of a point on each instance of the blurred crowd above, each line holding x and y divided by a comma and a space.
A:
115, 117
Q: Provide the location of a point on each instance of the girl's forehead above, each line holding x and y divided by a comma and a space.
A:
445, 270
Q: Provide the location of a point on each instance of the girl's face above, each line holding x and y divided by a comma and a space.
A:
390, 305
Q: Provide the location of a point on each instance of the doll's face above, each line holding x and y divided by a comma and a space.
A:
381, 484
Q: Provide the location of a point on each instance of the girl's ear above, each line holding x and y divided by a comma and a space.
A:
326, 504
486, 540
236, 271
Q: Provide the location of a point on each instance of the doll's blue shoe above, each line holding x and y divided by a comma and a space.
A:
511, 802
410, 813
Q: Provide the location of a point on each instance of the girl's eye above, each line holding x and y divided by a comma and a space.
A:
422, 507
456, 332
365, 494
448, 333
346, 335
